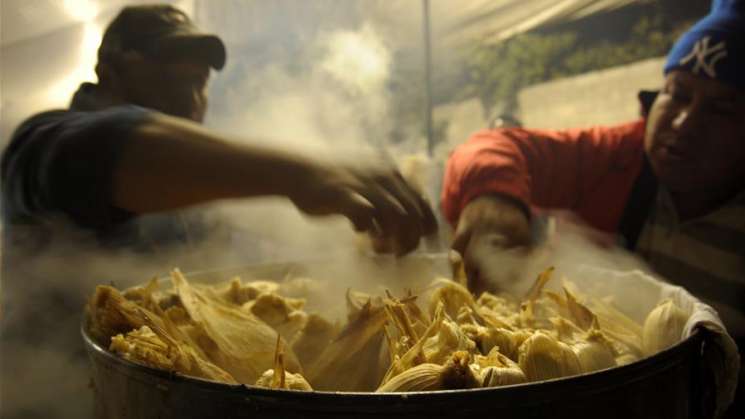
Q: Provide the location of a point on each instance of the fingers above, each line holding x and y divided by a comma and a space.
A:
406, 227
462, 236
358, 210
391, 211
418, 219
380, 203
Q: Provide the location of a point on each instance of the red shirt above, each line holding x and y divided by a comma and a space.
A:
589, 171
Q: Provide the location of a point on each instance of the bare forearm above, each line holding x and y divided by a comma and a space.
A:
496, 215
170, 163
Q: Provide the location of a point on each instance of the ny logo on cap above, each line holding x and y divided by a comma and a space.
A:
706, 57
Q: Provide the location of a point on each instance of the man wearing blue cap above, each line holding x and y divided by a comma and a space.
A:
671, 187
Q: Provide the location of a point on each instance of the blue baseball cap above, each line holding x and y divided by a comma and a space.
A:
714, 47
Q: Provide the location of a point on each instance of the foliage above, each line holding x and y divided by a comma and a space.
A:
496, 73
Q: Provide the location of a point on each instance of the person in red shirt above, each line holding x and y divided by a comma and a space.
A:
670, 186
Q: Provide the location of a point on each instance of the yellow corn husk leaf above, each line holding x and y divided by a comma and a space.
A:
625, 333
237, 293
315, 336
357, 301
281, 314
495, 358
423, 377
594, 351
303, 288
564, 330
419, 319
415, 355
477, 334
541, 357
610, 318
447, 339
109, 314
278, 378
501, 305
507, 341
457, 373
145, 347
499, 376
454, 374
292, 381
453, 296
663, 327
495, 369
356, 347
535, 290
466, 316
581, 315
236, 341
398, 315
145, 296
626, 359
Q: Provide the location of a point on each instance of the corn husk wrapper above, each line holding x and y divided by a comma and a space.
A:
594, 352
414, 355
315, 336
542, 358
145, 296
144, 347
291, 381
447, 339
282, 314
236, 292
500, 305
495, 370
508, 341
278, 378
626, 359
455, 374
499, 376
341, 364
144, 337
234, 340
663, 327
452, 296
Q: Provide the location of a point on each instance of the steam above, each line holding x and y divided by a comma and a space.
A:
337, 109
578, 254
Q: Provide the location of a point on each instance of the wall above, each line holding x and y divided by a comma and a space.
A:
601, 97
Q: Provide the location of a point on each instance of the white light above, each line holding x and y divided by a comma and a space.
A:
59, 93
359, 60
82, 10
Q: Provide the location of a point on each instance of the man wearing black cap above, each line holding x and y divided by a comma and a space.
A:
130, 146
117, 152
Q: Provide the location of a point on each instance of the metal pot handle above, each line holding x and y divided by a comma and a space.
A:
704, 381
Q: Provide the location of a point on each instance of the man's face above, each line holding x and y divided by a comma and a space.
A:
176, 88
695, 136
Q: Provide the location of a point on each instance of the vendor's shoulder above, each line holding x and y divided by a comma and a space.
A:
40, 119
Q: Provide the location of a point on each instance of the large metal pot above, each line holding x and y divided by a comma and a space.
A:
666, 385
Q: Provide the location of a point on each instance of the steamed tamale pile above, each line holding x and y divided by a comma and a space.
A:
258, 333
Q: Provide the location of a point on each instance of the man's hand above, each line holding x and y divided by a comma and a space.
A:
376, 200
491, 231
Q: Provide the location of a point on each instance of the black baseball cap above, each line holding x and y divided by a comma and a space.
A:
161, 31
